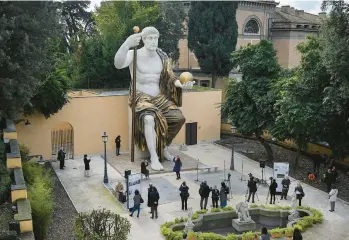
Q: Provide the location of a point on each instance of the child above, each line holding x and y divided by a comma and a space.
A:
87, 166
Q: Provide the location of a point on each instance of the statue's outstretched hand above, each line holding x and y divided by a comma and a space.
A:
133, 40
186, 85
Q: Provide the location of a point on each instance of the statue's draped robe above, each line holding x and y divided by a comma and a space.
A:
164, 109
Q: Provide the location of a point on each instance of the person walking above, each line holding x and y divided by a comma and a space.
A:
299, 193
144, 169
329, 179
285, 187
137, 203
61, 158
184, 189
223, 195
333, 197
149, 190
297, 234
204, 192
154, 202
252, 188
264, 234
272, 190
87, 166
118, 145
215, 196
177, 167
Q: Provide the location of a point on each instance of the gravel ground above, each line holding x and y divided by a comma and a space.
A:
6, 215
284, 155
62, 226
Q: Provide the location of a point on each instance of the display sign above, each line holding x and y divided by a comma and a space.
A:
281, 169
133, 182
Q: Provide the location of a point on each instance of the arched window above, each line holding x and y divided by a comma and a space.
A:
252, 27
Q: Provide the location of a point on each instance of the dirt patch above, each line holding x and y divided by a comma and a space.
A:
6, 214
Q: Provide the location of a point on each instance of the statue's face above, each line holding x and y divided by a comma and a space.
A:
151, 42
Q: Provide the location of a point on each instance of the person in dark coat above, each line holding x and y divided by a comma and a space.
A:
299, 193
215, 196
297, 234
149, 190
177, 167
252, 188
272, 190
223, 195
204, 192
184, 189
87, 166
154, 202
285, 187
329, 179
118, 145
144, 169
61, 157
137, 203
335, 174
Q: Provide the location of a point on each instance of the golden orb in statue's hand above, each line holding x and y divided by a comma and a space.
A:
185, 77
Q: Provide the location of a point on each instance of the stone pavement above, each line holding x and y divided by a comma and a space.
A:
89, 193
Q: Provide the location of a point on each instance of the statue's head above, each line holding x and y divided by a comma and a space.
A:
150, 38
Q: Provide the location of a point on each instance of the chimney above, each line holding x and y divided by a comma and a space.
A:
322, 15
299, 13
285, 9
292, 11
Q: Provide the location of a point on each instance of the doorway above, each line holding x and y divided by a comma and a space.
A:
62, 135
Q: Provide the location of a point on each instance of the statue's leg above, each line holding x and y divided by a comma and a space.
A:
150, 137
175, 121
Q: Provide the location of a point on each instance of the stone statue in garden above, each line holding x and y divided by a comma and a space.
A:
243, 213
293, 213
158, 94
189, 225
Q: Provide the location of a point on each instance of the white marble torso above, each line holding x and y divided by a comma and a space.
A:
148, 73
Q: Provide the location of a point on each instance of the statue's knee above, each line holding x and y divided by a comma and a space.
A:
149, 120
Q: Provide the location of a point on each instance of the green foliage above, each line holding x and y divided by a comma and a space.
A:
212, 36
29, 32
211, 236
248, 236
216, 210
101, 224
228, 208
5, 179
40, 185
24, 151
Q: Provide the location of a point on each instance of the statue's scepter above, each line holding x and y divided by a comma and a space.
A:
135, 30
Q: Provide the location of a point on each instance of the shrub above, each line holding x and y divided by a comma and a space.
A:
5, 184
232, 236
210, 236
228, 208
216, 209
32, 171
24, 151
102, 224
248, 236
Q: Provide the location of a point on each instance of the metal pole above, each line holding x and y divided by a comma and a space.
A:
136, 30
232, 155
105, 164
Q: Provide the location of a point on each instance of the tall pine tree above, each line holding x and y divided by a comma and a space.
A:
213, 33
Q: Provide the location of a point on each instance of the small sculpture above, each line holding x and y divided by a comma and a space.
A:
189, 225
293, 213
243, 213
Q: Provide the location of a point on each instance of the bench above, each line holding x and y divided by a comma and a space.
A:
208, 168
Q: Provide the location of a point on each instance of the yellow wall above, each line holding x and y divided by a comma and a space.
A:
18, 194
91, 116
26, 226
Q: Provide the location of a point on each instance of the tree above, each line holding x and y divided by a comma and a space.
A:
28, 31
212, 36
101, 224
249, 103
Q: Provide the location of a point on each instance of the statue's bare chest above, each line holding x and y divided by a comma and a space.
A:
149, 65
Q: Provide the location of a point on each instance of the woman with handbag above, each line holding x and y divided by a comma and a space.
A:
299, 193
137, 203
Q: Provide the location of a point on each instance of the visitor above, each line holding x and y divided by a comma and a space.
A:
184, 189
215, 196
335, 173
149, 190
329, 179
204, 192
154, 202
297, 234
87, 166
285, 187
252, 188
333, 197
177, 167
118, 145
137, 199
223, 195
61, 158
299, 193
272, 190
264, 234
144, 169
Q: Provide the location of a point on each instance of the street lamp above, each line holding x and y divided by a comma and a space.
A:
233, 130
105, 140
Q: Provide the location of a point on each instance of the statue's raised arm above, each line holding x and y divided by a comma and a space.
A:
124, 56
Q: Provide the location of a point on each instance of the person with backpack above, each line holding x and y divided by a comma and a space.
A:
204, 192
223, 195
137, 203
177, 167
154, 202
215, 196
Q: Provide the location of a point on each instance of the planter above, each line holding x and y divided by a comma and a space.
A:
276, 235
289, 234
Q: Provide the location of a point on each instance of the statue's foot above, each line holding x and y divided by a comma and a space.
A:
156, 165
167, 155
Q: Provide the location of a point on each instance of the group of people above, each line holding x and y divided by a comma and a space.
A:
266, 236
216, 195
153, 202
330, 177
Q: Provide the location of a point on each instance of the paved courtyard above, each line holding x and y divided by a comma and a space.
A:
89, 193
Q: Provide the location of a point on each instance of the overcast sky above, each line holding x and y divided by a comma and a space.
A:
311, 6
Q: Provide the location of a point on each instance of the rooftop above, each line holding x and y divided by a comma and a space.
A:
292, 15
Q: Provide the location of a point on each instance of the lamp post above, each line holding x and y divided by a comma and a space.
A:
105, 140
232, 166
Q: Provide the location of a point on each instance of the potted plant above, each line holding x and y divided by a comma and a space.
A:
275, 233
288, 232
